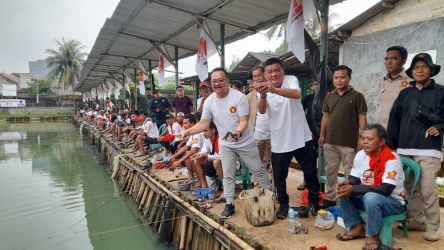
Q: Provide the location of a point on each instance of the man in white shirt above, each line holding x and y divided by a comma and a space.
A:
207, 161
259, 122
192, 146
290, 134
148, 134
168, 136
228, 109
375, 184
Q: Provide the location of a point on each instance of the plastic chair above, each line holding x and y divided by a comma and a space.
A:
245, 177
410, 166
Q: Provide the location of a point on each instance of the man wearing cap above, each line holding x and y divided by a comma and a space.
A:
392, 83
182, 103
179, 118
415, 129
204, 92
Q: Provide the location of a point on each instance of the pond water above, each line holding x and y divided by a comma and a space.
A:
55, 193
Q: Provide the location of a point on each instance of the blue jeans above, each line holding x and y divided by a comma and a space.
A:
375, 205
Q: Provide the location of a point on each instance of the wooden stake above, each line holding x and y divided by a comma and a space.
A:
183, 233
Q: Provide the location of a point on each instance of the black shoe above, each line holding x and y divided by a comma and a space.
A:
413, 227
313, 207
282, 212
327, 203
228, 211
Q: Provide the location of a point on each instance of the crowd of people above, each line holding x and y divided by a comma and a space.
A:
273, 124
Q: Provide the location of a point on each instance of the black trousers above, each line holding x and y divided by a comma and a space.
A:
306, 158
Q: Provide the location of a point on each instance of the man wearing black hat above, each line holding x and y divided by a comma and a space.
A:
415, 129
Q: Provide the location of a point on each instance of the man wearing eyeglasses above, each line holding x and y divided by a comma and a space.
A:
392, 83
228, 108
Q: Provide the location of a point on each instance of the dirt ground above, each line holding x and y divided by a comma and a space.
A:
277, 235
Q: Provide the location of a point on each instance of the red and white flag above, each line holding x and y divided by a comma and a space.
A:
205, 48
117, 89
161, 71
126, 81
300, 10
141, 77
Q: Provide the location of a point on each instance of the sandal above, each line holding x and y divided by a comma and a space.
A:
221, 199
301, 187
347, 236
371, 245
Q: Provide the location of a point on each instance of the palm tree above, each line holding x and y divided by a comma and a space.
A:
66, 61
312, 26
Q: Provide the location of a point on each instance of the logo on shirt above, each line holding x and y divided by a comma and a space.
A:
404, 84
232, 109
195, 139
391, 175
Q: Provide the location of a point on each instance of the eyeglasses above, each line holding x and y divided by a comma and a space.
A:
220, 81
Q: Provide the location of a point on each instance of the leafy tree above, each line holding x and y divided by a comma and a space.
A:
66, 61
39, 86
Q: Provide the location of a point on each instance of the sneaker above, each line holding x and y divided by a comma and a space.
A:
327, 203
313, 207
228, 211
431, 235
282, 212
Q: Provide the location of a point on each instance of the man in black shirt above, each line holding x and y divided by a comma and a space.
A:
160, 107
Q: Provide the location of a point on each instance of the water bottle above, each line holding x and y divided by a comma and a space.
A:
292, 214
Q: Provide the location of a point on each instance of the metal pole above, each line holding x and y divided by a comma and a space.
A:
323, 80
135, 89
324, 38
124, 88
176, 64
222, 45
150, 69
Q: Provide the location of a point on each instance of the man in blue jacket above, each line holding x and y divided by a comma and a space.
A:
415, 129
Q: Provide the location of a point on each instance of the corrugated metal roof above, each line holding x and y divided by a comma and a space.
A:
137, 27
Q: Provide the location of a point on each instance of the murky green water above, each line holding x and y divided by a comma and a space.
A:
55, 194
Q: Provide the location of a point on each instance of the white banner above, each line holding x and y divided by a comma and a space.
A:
161, 73
9, 89
300, 10
12, 103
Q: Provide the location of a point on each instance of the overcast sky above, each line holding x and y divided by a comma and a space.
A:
28, 27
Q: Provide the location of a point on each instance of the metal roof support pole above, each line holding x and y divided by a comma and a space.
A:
124, 88
135, 89
176, 64
222, 45
150, 69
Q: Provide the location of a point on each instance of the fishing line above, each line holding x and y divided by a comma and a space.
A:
131, 227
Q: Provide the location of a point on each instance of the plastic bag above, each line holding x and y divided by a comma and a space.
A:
324, 220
